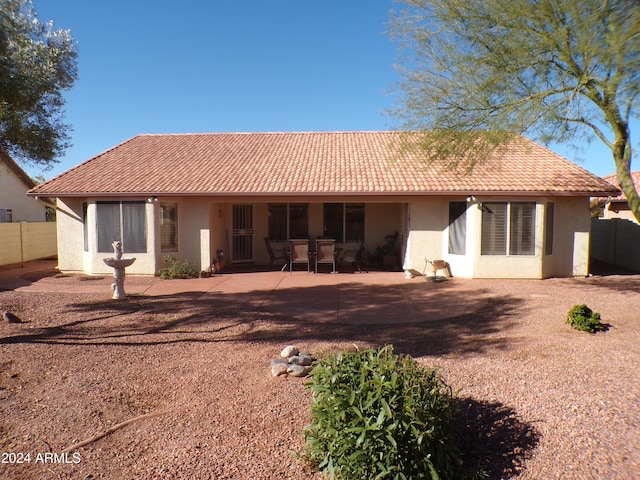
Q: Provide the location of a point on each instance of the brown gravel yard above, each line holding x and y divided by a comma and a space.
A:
537, 399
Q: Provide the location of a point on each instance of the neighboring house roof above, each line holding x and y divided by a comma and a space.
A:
311, 163
20, 173
613, 180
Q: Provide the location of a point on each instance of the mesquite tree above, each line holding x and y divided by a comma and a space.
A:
561, 71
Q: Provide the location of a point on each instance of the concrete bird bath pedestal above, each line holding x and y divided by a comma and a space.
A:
118, 264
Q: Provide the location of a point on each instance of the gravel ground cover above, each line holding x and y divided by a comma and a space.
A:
537, 399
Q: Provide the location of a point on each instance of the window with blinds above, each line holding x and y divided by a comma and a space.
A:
512, 221
494, 228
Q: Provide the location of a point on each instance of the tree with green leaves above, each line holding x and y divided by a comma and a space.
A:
37, 64
559, 71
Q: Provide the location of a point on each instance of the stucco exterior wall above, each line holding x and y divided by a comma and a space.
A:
571, 237
507, 266
429, 230
13, 195
205, 226
69, 216
427, 219
195, 232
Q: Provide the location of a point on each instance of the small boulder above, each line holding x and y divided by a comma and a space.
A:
279, 369
277, 361
307, 358
289, 351
298, 370
295, 360
301, 359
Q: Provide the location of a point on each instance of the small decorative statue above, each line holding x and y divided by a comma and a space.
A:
117, 249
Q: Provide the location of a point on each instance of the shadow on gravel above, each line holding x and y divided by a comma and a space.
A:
493, 439
618, 283
197, 317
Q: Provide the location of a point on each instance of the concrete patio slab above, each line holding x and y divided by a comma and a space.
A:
333, 298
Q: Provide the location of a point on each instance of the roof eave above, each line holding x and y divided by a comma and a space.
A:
421, 193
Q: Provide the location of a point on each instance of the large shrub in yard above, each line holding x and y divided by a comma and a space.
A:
378, 415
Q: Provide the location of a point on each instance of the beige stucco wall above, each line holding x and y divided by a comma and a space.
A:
571, 238
428, 239
205, 226
13, 195
507, 266
427, 218
70, 235
194, 221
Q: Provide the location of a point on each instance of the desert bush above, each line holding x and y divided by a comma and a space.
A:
176, 269
583, 318
378, 415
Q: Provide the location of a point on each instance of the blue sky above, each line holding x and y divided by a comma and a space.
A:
225, 66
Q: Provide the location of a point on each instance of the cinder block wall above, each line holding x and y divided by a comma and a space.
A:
24, 241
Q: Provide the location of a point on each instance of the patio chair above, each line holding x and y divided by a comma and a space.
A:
326, 253
354, 256
273, 256
299, 253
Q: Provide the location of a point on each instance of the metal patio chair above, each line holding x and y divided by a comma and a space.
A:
277, 254
354, 256
326, 253
299, 253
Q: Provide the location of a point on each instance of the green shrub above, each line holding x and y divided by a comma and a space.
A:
583, 318
378, 415
176, 269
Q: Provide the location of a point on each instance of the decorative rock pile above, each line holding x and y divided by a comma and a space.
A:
292, 362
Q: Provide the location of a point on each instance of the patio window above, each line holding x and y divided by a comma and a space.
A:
343, 222
278, 222
508, 228
168, 227
85, 230
124, 221
298, 220
548, 228
288, 221
457, 228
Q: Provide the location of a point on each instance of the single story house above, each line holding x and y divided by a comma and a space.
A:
617, 206
524, 214
15, 206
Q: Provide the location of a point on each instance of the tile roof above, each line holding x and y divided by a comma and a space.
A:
613, 180
312, 163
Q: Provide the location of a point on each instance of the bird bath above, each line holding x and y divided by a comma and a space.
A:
118, 264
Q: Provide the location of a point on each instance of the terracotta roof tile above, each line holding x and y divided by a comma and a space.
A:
308, 163
613, 180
